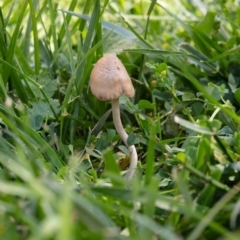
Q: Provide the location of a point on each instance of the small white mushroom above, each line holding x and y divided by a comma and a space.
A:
108, 81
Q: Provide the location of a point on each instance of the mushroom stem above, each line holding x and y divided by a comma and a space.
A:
124, 136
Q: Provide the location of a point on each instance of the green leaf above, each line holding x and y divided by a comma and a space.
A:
162, 67
233, 82
207, 24
124, 149
208, 96
132, 139
36, 121
46, 55
112, 167
217, 91
95, 154
150, 65
48, 85
144, 104
214, 124
193, 126
162, 96
41, 110
237, 95
188, 97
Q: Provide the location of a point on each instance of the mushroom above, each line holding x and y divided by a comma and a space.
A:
108, 81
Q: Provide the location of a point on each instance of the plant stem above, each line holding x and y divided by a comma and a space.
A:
124, 136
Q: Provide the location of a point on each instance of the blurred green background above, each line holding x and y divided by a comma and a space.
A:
61, 160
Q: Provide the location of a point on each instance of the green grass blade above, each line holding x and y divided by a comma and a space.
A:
112, 168
224, 54
35, 37
154, 52
31, 137
196, 233
13, 42
66, 21
69, 44
108, 25
150, 158
53, 12
208, 96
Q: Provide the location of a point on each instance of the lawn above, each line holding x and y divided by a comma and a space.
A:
64, 167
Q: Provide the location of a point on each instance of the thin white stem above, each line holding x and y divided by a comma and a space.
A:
124, 136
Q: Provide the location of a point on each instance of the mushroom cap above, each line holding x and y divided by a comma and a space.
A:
109, 79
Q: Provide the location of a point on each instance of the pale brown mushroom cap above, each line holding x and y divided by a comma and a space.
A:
109, 79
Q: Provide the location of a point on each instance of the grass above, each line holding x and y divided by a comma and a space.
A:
61, 161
